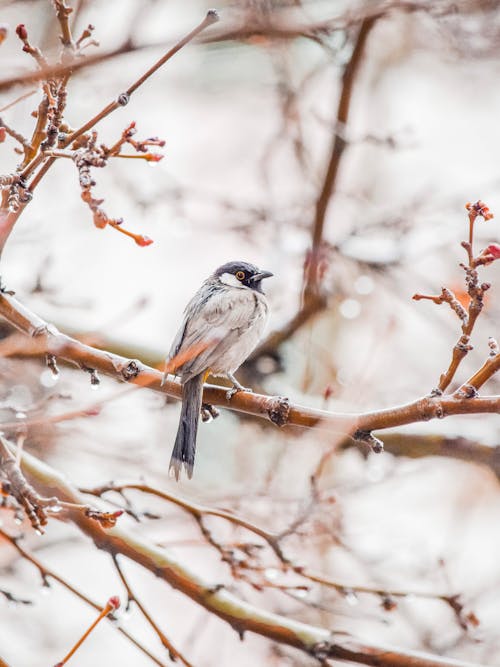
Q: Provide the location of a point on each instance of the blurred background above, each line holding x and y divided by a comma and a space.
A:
249, 114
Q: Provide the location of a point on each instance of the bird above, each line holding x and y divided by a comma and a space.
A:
223, 322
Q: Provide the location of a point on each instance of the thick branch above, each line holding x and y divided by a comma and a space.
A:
281, 24
314, 302
242, 616
277, 409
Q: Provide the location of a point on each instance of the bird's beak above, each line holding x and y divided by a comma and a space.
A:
261, 276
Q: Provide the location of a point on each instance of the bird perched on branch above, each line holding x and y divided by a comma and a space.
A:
222, 324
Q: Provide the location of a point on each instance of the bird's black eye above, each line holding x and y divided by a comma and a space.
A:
240, 275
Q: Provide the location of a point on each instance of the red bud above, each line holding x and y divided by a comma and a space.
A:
143, 241
114, 602
479, 208
3, 134
493, 249
21, 31
153, 157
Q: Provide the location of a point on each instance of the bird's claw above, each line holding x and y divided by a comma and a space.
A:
208, 412
235, 389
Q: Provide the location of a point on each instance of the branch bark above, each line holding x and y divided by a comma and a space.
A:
313, 301
338, 146
274, 408
242, 616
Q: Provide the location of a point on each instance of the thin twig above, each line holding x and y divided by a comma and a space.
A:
28, 499
36, 163
174, 654
46, 574
468, 318
110, 606
272, 540
123, 98
242, 616
338, 146
18, 99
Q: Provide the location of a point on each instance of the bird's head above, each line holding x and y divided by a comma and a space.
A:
241, 275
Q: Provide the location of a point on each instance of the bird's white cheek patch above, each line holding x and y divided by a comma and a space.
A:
230, 279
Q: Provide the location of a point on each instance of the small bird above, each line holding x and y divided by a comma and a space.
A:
222, 324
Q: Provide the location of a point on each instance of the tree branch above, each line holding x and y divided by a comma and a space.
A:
274, 408
468, 317
46, 574
174, 654
242, 616
239, 568
313, 300
21, 191
338, 146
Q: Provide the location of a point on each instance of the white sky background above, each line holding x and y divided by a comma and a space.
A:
429, 85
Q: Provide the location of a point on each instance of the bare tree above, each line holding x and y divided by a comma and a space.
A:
271, 566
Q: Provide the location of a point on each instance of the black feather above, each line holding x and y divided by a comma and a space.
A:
232, 267
185, 441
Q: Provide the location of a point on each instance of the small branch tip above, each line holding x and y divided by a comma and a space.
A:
376, 445
213, 16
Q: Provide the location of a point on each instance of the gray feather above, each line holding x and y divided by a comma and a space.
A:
185, 441
222, 325
219, 317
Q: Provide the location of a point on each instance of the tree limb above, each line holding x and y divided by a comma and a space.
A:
274, 408
242, 616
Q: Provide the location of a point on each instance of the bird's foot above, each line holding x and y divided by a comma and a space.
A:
237, 387
208, 412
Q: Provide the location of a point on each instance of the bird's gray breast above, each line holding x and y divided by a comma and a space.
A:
250, 308
222, 325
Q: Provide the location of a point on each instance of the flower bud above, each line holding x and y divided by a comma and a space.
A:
114, 602
493, 249
479, 208
153, 157
21, 32
142, 240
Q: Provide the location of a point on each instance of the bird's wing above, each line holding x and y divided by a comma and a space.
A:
213, 315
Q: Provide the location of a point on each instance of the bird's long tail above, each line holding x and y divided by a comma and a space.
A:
185, 441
